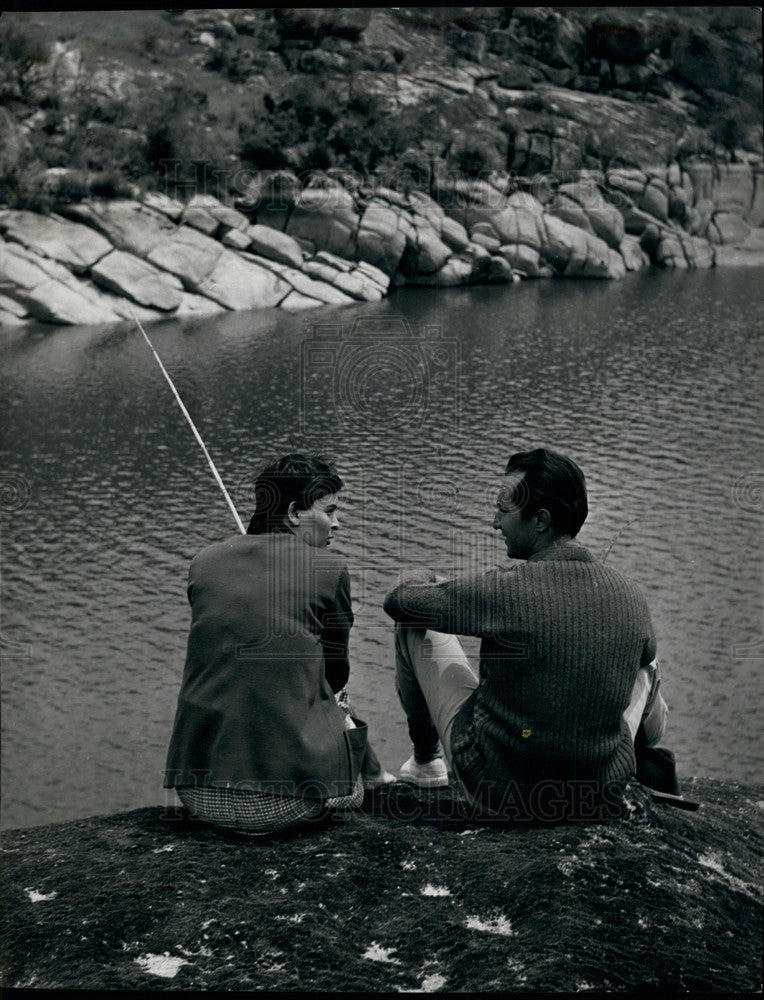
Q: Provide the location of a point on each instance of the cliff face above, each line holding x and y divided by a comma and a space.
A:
304, 157
407, 895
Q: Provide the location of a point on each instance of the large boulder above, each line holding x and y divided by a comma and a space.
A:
654, 199
236, 239
128, 275
70, 243
295, 280
728, 228
12, 307
48, 291
160, 202
702, 176
127, 224
426, 252
374, 274
569, 211
208, 268
273, 244
699, 252
526, 201
523, 260
197, 307
576, 253
361, 281
453, 234
670, 251
357, 286
382, 237
634, 257
734, 188
327, 217
607, 223
224, 215
458, 270
422, 204
699, 217
677, 249
630, 181
516, 224
187, 253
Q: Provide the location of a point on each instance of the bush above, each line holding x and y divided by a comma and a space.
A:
474, 157
19, 52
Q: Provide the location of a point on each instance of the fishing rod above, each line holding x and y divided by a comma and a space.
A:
197, 435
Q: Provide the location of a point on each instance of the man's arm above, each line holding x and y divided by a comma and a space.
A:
462, 606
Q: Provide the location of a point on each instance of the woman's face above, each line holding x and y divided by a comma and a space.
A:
317, 524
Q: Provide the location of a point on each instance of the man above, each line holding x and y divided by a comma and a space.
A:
567, 663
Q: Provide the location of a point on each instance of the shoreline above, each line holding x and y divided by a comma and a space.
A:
186, 163
332, 243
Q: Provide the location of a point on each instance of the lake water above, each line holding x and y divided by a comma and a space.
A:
652, 384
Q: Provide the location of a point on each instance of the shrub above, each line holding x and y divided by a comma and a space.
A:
474, 157
19, 52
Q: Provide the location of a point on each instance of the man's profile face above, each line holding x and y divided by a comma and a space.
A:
520, 535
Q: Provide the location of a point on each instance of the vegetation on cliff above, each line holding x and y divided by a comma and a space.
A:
189, 100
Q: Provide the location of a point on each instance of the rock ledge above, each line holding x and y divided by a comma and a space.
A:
406, 895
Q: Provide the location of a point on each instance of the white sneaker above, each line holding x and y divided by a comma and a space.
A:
378, 780
433, 774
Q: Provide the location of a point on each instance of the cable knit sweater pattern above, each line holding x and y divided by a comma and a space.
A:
563, 637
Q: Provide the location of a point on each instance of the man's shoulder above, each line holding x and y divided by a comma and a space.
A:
574, 562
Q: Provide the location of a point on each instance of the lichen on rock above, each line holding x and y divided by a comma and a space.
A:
408, 894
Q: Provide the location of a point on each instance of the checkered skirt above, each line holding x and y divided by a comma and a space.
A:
261, 812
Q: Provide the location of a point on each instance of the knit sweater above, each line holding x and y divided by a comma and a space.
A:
563, 637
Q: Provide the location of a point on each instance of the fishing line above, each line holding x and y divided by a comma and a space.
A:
617, 536
197, 435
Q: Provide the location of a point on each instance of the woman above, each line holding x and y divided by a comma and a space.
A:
260, 741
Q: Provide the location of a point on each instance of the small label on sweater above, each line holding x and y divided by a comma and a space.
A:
526, 733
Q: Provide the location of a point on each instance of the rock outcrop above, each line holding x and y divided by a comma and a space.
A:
136, 279
340, 245
540, 142
407, 895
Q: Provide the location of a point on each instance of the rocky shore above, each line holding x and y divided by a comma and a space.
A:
508, 144
299, 247
407, 895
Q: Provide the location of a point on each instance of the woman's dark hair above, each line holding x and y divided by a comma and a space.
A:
552, 482
293, 478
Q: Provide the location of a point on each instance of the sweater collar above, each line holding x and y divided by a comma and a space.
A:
563, 552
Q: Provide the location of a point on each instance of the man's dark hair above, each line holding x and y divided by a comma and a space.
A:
299, 478
552, 482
